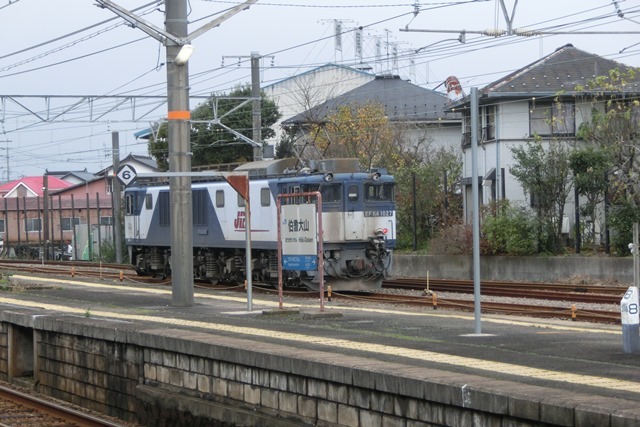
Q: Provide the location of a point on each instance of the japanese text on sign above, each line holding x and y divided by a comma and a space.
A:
296, 225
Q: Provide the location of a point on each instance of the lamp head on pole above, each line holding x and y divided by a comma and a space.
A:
184, 54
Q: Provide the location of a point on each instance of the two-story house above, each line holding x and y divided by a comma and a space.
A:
539, 99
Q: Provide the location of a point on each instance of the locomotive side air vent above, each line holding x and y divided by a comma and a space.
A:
268, 167
336, 165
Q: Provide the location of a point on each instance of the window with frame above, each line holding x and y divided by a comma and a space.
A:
552, 118
378, 192
486, 125
200, 211
2, 229
129, 203
68, 223
106, 220
331, 193
353, 192
241, 201
265, 196
219, 198
489, 123
164, 209
148, 202
625, 117
34, 224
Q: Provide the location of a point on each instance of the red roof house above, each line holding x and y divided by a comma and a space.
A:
31, 186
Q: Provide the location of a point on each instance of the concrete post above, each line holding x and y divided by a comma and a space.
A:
116, 195
474, 105
45, 209
629, 304
630, 321
256, 105
179, 160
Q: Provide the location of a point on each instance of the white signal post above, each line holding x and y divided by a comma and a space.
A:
630, 319
630, 304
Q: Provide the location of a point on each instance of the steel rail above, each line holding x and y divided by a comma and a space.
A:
544, 311
421, 283
54, 410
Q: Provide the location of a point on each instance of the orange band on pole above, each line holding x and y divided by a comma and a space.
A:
179, 115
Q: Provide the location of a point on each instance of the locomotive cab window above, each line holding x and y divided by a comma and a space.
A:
148, 202
378, 192
241, 201
129, 204
354, 193
330, 193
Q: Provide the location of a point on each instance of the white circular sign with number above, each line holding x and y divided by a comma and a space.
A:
126, 174
629, 310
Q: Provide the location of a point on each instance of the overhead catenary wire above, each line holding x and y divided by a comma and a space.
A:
199, 88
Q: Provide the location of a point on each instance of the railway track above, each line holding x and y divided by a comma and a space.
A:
22, 409
541, 293
84, 269
544, 291
467, 285
569, 312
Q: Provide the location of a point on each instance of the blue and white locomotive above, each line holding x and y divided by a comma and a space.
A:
358, 216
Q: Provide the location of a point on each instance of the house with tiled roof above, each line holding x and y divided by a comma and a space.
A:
544, 99
74, 177
404, 103
142, 164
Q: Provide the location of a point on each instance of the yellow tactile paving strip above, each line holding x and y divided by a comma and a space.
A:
422, 355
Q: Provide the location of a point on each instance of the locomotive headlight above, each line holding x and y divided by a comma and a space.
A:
328, 177
381, 231
374, 176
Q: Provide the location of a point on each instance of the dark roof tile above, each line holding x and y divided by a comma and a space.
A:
402, 100
562, 70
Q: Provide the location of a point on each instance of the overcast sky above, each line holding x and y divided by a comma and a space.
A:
73, 47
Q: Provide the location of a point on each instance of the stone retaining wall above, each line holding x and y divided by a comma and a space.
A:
515, 268
4, 327
174, 377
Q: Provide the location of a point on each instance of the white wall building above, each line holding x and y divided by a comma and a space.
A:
538, 99
304, 91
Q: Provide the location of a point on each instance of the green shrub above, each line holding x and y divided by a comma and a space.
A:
508, 230
621, 219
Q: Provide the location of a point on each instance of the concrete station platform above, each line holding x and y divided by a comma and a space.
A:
353, 364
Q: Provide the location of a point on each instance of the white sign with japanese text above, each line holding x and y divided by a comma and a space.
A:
298, 232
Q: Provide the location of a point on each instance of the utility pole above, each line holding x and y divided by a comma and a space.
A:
179, 159
116, 194
7, 141
45, 222
256, 101
177, 40
257, 117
